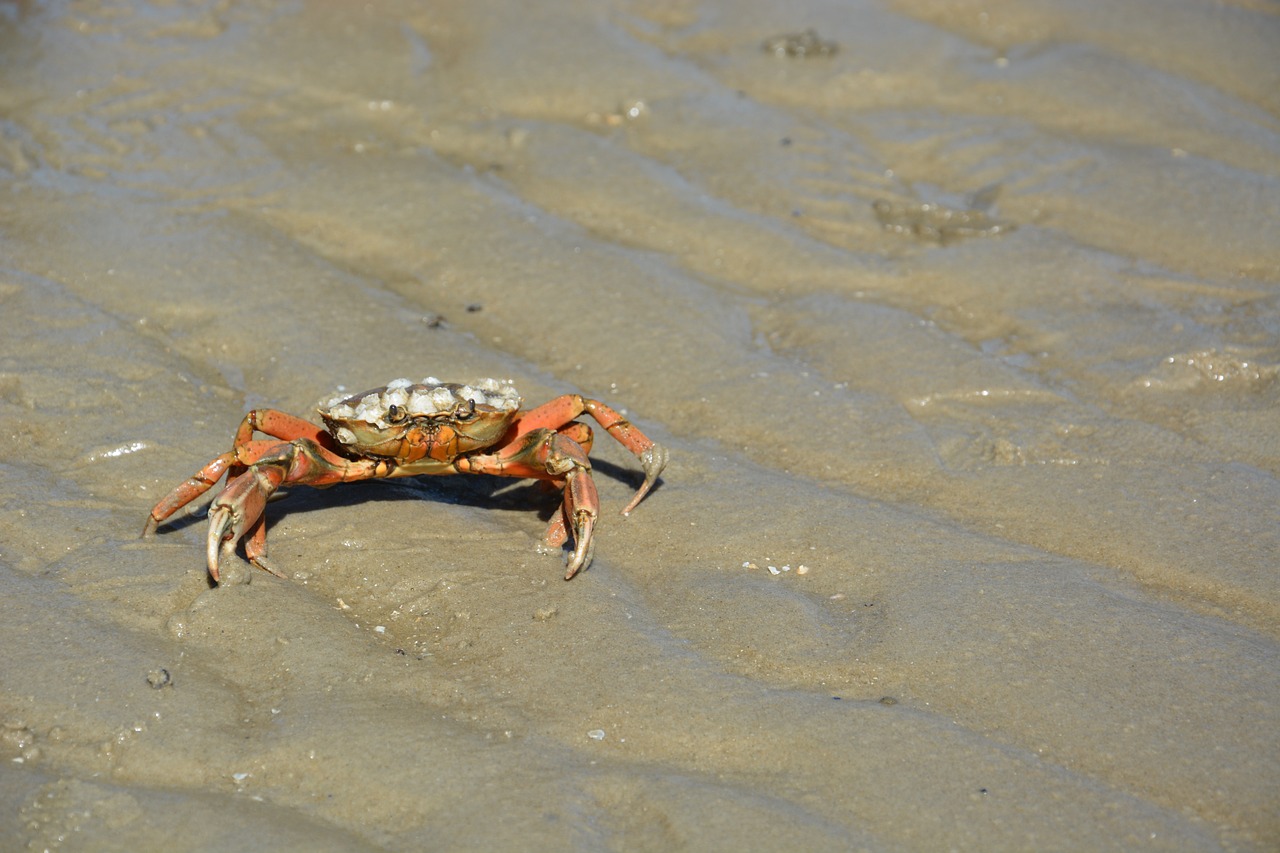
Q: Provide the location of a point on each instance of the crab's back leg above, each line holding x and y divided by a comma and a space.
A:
549, 455
556, 413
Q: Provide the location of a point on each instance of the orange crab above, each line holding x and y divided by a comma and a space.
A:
401, 430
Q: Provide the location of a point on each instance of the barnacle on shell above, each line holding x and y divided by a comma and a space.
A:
428, 397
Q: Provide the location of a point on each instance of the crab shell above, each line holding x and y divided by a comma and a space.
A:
422, 425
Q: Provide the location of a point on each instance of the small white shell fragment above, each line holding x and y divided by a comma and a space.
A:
802, 569
773, 570
596, 734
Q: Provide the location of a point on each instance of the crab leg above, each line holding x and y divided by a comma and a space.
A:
557, 532
549, 455
562, 410
581, 508
188, 490
282, 425
255, 546
276, 424
237, 511
580, 434
255, 469
238, 508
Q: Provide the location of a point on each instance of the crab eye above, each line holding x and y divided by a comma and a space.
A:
467, 413
395, 414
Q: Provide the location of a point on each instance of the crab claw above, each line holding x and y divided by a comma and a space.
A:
581, 505
236, 511
653, 459
584, 545
222, 539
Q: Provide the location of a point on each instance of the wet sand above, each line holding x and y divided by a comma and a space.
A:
973, 313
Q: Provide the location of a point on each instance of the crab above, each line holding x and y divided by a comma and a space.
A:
401, 430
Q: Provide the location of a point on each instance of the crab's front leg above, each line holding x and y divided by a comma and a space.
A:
559, 412
188, 490
268, 465
279, 425
549, 455
237, 509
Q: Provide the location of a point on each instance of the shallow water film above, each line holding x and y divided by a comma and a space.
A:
961, 322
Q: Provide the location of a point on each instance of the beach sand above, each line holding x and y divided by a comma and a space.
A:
962, 317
